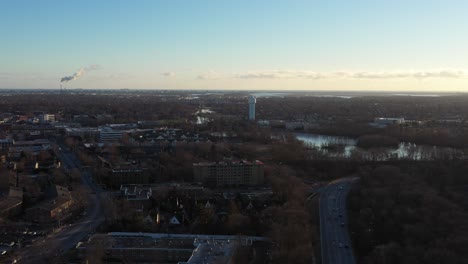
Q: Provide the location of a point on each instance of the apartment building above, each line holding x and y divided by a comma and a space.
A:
229, 173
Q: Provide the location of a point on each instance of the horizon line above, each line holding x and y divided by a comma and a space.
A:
249, 90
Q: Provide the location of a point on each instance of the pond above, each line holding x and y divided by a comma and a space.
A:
201, 114
345, 147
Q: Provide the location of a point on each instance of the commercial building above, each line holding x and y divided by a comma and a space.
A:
86, 133
49, 117
386, 121
170, 248
108, 134
229, 173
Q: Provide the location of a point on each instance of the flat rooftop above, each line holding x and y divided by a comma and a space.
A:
207, 249
227, 163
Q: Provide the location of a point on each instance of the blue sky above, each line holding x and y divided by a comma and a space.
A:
185, 44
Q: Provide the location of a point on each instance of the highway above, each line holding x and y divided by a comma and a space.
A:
334, 236
66, 237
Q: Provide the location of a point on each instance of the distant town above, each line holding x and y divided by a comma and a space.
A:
128, 176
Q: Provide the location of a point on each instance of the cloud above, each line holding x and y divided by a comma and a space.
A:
23, 75
293, 74
93, 67
5, 75
411, 74
113, 76
212, 75
168, 74
283, 74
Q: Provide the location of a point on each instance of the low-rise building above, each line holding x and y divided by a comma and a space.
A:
263, 123
145, 124
5, 143
33, 147
108, 134
387, 121
86, 133
34, 130
80, 118
104, 118
51, 210
170, 248
294, 125
138, 195
12, 204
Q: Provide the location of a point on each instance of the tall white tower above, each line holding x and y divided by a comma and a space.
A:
252, 102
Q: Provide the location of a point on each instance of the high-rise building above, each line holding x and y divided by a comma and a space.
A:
252, 102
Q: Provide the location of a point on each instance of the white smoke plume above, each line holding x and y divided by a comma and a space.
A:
80, 73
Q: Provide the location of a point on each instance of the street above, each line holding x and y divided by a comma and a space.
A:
66, 237
336, 244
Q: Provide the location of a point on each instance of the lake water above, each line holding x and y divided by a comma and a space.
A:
205, 111
270, 94
283, 94
345, 147
201, 118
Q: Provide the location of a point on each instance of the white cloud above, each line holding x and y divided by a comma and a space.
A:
168, 74
22, 76
411, 74
113, 76
294, 74
93, 67
5, 75
212, 75
281, 74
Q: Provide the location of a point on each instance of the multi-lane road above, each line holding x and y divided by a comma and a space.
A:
66, 237
334, 236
